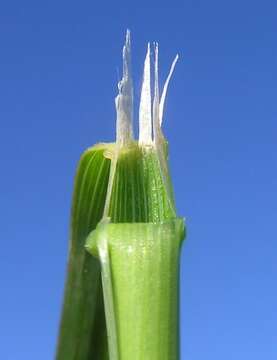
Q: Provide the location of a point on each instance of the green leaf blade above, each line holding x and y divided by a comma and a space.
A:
82, 334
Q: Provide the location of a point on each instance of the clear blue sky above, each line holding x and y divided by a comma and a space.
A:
59, 66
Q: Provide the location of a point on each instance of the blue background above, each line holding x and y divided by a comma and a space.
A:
59, 66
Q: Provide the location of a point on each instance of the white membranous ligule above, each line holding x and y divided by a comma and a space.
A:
150, 116
124, 99
150, 113
145, 117
162, 100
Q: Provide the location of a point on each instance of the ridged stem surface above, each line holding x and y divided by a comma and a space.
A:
138, 246
143, 262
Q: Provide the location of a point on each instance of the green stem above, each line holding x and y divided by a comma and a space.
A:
142, 263
138, 247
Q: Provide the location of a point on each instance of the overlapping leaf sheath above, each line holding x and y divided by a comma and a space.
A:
138, 246
82, 333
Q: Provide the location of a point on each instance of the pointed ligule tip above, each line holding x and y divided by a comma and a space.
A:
156, 52
124, 100
127, 45
156, 73
162, 101
128, 38
156, 47
127, 57
147, 59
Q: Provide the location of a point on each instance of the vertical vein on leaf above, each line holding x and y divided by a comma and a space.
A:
131, 169
95, 191
82, 186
